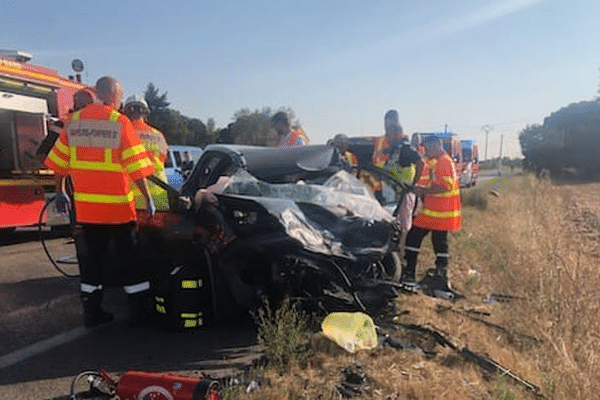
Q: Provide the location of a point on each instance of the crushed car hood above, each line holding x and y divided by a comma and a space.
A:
340, 217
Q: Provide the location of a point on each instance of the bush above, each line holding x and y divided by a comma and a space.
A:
284, 332
475, 198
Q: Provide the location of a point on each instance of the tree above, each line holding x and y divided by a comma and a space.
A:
177, 128
253, 127
211, 130
568, 138
155, 102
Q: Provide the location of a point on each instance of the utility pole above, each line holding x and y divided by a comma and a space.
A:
486, 129
500, 158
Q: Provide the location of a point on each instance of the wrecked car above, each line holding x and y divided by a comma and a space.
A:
265, 223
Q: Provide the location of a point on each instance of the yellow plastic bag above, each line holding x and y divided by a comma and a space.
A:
352, 331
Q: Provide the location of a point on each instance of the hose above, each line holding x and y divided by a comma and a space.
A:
97, 382
62, 260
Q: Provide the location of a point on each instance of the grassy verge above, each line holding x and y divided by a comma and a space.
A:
530, 244
529, 241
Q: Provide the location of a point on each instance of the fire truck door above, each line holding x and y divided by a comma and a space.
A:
22, 129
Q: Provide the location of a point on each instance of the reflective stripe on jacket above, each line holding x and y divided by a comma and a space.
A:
156, 146
378, 159
379, 155
350, 158
99, 149
440, 212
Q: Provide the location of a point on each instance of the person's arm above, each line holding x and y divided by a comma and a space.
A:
142, 184
414, 158
440, 185
435, 188
419, 166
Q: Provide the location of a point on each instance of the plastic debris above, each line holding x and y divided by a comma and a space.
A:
351, 331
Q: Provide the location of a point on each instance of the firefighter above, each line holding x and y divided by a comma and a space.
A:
439, 214
340, 142
406, 165
415, 141
100, 150
286, 137
187, 165
137, 109
395, 153
82, 98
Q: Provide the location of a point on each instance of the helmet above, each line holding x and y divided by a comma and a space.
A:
136, 99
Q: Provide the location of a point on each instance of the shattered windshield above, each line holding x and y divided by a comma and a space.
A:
342, 194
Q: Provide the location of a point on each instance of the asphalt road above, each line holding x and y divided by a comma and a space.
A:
43, 344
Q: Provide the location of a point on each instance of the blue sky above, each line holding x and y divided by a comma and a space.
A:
338, 64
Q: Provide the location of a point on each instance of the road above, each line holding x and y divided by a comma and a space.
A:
43, 344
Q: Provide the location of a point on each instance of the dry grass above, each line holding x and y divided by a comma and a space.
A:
535, 241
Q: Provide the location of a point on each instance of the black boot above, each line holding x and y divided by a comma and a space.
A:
139, 309
441, 270
409, 268
93, 314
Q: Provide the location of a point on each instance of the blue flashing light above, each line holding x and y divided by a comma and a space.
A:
440, 134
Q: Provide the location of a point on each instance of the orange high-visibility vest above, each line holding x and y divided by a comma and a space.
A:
378, 159
350, 158
291, 141
379, 155
101, 152
440, 212
157, 148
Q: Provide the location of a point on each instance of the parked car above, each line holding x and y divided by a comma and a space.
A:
264, 223
175, 162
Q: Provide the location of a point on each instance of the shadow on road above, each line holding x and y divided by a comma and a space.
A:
23, 235
117, 348
34, 292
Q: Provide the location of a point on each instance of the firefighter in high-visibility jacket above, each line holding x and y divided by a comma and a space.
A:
349, 159
439, 214
386, 145
99, 149
286, 136
137, 109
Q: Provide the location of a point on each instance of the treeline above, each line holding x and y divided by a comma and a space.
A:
248, 127
568, 140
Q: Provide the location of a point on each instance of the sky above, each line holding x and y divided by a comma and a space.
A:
338, 64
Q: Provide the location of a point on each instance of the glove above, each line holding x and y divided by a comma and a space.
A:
151, 207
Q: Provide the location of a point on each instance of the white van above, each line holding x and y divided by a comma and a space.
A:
174, 161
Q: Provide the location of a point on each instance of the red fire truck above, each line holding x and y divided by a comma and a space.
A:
470, 170
30, 95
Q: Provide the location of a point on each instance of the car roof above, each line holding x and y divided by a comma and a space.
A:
263, 162
184, 148
270, 164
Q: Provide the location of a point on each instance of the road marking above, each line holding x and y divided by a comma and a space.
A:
45, 345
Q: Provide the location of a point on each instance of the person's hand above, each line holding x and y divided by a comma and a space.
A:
185, 203
151, 207
205, 199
